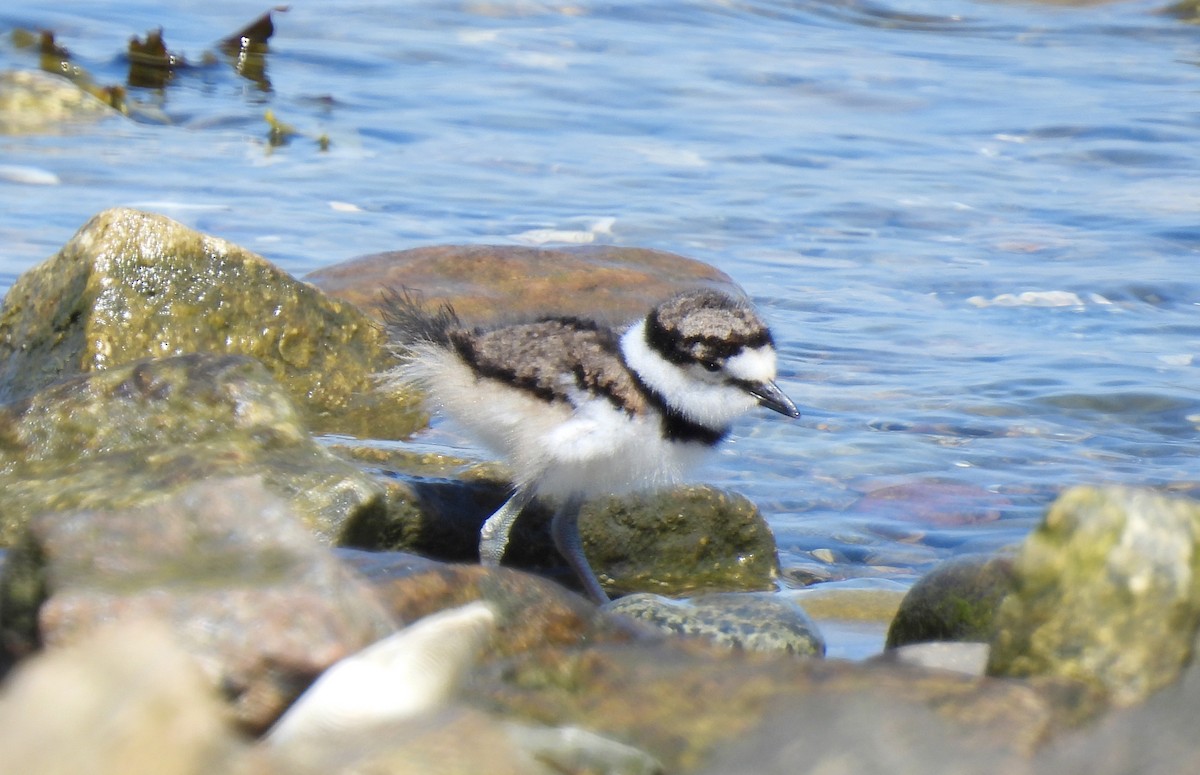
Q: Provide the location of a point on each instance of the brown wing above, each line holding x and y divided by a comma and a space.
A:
551, 358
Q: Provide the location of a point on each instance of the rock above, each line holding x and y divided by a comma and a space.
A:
856, 600
742, 621
857, 733
1157, 737
675, 541
683, 702
956, 601
131, 433
959, 656
490, 283
534, 612
408, 674
680, 541
226, 565
36, 102
125, 700
1106, 593
132, 285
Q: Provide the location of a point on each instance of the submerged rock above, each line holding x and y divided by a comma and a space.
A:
134, 433
1107, 592
33, 102
225, 565
132, 285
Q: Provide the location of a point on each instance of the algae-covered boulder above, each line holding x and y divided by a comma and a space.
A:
1107, 591
131, 433
682, 540
131, 285
956, 601
227, 566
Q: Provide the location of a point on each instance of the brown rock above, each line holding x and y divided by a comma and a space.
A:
224, 564
489, 283
533, 612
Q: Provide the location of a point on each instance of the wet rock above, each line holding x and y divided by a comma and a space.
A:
675, 541
680, 541
490, 283
131, 285
126, 700
1107, 593
741, 621
227, 566
36, 102
956, 601
131, 433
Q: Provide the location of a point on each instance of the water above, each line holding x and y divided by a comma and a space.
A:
973, 224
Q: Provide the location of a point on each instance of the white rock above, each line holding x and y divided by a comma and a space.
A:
406, 674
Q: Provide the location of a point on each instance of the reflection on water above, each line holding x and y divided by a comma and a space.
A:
972, 224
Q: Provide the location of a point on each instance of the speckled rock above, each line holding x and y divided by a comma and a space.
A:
130, 433
487, 283
225, 565
132, 285
957, 600
1107, 592
745, 621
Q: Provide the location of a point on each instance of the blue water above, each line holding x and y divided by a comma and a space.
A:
974, 225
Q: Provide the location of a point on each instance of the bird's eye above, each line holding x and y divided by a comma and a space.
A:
711, 365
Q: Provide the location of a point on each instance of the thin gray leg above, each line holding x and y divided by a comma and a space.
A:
493, 536
565, 529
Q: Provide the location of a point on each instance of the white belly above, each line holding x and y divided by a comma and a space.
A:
594, 450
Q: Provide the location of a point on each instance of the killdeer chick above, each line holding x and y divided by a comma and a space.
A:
580, 409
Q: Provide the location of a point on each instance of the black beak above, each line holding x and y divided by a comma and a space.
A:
770, 396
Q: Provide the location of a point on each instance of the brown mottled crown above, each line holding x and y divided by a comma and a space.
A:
705, 327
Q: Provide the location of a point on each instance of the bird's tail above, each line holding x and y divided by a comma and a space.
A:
409, 320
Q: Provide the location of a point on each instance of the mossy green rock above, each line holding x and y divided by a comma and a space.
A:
132, 285
680, 541
133, 433
956, 601
1107, 592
